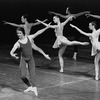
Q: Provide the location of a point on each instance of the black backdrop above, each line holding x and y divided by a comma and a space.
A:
12, 10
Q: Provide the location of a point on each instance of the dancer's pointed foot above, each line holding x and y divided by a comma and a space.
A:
61, 70
33, 89
96, 78
74, 57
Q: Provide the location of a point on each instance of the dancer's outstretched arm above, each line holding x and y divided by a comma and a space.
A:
13, 24
61, 15
82, 32
68, 14
81, 13
91, 15
67, 20
58, 14
45, 24
37, 23
38, 32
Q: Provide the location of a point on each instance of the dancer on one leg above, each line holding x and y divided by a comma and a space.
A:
24, 43
94, 36
61, 41
68, 13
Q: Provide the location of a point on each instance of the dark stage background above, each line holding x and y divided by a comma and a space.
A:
12, 10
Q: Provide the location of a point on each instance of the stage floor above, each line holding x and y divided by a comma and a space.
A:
76, 83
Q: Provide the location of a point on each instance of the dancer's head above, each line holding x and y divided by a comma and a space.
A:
20, 32
24, 18
56, 19
92, 25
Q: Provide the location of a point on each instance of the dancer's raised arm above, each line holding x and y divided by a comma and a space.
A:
82, 32
45, 24
67, 20
37, 23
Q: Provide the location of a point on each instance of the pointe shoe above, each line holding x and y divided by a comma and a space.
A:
33, 89
96, 78
74, 57
26, 65
28, 89
61, 70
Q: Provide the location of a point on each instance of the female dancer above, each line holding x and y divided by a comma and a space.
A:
95, 44
68, 13
61, 41
27, 27
24, 43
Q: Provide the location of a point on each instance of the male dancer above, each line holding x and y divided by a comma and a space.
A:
24, 43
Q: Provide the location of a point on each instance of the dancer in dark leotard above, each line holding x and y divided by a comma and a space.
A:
24, 43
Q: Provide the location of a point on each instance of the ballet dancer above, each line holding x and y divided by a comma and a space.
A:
95, 44
24, 42
27, 27
61, 41
68, 13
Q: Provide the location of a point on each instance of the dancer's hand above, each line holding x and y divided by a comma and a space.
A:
15, 56
4, 22
37, 20
73, 26
88, 15
48, 25
47, 57
71, 17
87, 12
50, 12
